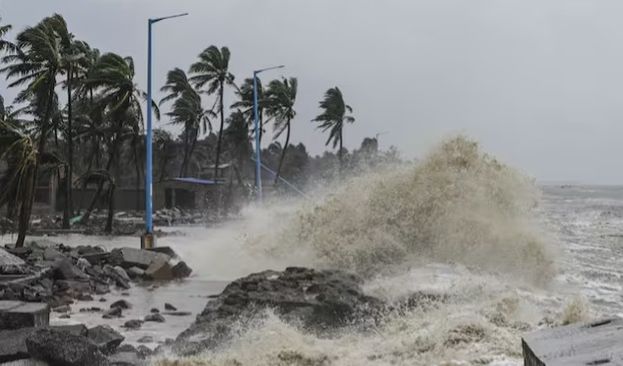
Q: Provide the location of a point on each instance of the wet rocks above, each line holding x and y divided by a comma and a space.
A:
105, 338
181, 270
169, 307
154, 317
122, 304
113, 313
17, 314
63, 348
133, 324
130, 257
317, 300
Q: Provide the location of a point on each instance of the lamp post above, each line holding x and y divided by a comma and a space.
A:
258, 148
147, 240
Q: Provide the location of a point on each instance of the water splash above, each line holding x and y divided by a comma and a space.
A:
457, 205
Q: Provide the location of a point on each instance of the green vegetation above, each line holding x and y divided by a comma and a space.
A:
78, 116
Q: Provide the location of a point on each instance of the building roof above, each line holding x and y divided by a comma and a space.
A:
204, 182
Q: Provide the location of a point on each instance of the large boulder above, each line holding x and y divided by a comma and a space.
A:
318, 300
63, 348
17, 314
131, 257
11, 264
106, 338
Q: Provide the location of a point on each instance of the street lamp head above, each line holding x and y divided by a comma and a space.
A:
155, 20
269, 68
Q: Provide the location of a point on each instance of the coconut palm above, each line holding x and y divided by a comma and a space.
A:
112, 78
212, 71
237, 135
37, 64
5, 45
333, 117
281, 96
187, 111
245, 104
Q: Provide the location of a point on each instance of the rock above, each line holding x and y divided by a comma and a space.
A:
101, 289
17, 314
125, 359
11, 264
64, 269
154, 310
84, 297
62, 309
126, 348
62, 348
102, 299
75, 329
135, 272
144, 351
92, 309
146, 339
113, 313
165, 250
181, 270
76, 287
155, 317
177, 313
123, 304
120, 280
51, 254
96, 257
130, 257
169, 307
322, 301
133, 324
13, 344
106, 338
122, 273
159, 270
22, 252
83, 264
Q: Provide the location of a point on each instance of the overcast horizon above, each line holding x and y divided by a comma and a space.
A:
538, 83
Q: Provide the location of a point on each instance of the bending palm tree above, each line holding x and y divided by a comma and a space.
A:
187, 111
37, 63
281, 96
333, 118
245, 104
4, 44
212, 70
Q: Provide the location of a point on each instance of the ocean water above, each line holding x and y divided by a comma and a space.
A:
510, 256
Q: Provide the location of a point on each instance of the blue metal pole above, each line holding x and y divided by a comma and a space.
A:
148, 142
258, 148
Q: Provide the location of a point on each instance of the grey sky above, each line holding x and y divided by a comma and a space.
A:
538, 82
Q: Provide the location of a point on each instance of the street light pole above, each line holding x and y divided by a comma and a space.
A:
147, 241
258, 148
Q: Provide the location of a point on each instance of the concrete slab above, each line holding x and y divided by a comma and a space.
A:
17, 314
131, 257
595, 343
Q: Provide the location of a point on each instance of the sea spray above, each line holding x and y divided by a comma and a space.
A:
458, 204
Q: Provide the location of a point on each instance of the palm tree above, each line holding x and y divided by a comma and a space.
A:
212, 70
333, 118
187, 111
37, 63
237, 134
6, 46
120, 100
281, 96
245, 104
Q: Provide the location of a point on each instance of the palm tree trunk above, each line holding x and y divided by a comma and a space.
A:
183, 168
339, 154
28, 199
111, 207
70, 157
220, 133
193, 144
283, 153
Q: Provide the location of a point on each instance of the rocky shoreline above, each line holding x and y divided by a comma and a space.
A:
45, 276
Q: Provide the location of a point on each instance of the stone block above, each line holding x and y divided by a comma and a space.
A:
17, 314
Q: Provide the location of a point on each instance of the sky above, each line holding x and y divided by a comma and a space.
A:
539, 83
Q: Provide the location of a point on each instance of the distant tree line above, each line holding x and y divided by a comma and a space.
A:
79, 114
